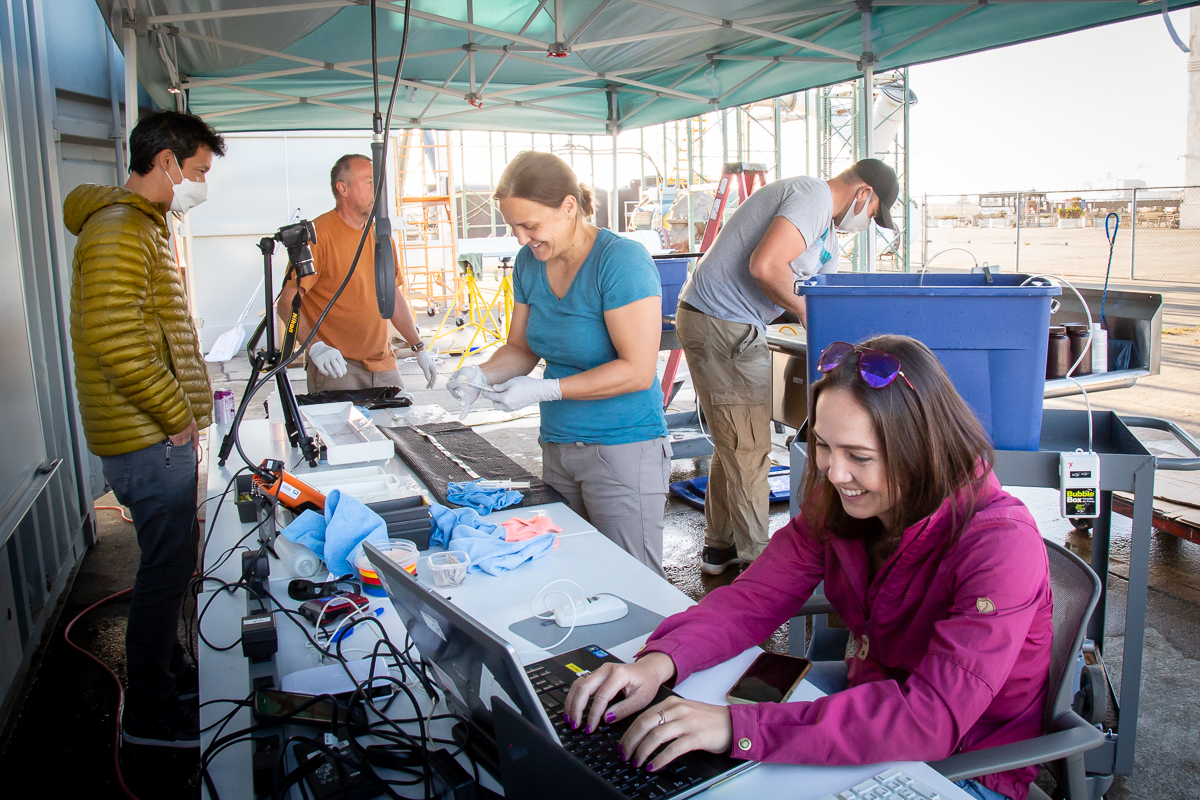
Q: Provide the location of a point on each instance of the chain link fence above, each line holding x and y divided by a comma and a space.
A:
1064, 233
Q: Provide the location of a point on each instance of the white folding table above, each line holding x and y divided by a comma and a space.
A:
582, 555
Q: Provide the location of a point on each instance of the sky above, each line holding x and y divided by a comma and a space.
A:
1091, 107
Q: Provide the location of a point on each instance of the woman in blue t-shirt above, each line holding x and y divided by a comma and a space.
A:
587, 301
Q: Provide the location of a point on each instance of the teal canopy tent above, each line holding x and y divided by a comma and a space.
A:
577, 66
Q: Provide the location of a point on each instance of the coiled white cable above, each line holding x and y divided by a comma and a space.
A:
548, 612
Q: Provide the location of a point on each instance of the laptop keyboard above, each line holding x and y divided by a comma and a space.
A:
599, 751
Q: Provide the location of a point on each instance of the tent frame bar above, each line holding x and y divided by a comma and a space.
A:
528, 49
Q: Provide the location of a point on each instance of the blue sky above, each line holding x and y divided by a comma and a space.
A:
1090, 107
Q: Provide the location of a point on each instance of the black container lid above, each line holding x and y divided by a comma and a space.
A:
1078, 329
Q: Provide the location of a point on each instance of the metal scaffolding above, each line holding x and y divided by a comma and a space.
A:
843, 139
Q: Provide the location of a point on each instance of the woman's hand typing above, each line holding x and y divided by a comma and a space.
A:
638, 682
677, 726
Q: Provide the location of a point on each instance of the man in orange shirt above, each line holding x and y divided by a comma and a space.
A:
351, 349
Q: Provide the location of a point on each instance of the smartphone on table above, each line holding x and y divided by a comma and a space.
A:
770, 679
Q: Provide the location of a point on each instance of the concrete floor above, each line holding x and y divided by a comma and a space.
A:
79, 718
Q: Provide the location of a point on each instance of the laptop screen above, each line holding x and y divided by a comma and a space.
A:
471, 663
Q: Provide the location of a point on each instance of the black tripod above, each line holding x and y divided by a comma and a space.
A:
267, 359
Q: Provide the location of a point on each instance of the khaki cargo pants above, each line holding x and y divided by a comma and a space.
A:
357, 377
731, 370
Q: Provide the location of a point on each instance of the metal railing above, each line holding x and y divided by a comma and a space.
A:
1064, 233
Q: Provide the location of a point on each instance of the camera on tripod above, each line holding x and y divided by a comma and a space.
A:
296, 238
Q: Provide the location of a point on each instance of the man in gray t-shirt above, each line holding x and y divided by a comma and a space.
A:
722, 285
784, 231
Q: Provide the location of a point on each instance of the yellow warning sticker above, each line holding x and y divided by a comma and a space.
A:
576, 669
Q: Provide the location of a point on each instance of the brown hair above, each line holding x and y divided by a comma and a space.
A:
546, 179
341, 171
932, 444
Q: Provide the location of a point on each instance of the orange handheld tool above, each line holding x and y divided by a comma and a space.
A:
288, 489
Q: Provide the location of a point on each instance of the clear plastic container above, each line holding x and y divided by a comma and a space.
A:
449, 568
402, 551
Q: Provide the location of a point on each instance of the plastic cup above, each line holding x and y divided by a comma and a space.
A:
449, 568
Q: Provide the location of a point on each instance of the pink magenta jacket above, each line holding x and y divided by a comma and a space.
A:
952, 654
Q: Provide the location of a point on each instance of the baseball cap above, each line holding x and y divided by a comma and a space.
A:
882, 179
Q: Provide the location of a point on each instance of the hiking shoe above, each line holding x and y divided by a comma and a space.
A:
179, 727
714, 560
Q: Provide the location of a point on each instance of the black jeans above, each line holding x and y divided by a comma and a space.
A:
158, 485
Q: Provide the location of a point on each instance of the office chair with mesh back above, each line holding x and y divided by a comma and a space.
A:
1066, 735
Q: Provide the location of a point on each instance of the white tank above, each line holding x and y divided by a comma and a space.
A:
887, 115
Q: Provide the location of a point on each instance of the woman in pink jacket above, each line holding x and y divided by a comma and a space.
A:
939, 574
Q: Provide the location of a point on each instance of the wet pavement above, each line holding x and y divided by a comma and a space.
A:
79, 718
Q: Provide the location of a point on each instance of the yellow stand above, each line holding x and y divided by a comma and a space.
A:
481, 314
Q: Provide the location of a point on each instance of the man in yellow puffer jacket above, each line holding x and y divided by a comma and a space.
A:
143, 397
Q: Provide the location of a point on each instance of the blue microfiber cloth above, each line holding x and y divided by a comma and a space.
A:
485, 501
446, 520
463, 529
337, 536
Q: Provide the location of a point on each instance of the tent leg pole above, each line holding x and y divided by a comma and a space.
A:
131, 86
614, 205
867, 121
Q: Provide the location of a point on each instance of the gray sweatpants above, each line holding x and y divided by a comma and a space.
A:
619, 488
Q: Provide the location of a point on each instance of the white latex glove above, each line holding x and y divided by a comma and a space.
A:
522, 391
466, 395
428, 367
328, 360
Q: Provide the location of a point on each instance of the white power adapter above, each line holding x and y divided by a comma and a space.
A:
1079, 484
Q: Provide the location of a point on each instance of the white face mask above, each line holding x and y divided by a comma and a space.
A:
187, 194
852, 222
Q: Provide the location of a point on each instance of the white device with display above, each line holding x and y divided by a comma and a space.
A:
1079, 485
591, 611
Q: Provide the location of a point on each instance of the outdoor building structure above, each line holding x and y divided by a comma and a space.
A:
68, 99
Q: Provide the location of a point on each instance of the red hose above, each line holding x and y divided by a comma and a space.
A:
116, 508
116, 680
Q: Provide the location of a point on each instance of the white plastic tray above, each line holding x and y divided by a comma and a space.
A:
366, 484
349, 436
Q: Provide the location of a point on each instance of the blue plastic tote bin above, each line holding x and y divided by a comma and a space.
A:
672, 273
990, 337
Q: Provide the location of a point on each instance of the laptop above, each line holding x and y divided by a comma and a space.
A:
515, 712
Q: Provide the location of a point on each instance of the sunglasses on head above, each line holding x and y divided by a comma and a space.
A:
877, 368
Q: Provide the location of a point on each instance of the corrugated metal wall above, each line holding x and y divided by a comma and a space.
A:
57, 131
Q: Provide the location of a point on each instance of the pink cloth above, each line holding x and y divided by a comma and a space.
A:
518, 530
953, 651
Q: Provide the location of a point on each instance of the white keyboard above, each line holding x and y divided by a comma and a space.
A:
890, 785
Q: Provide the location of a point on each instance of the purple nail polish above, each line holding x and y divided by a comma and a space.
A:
649, 768
589, 728
621, 751
574, 725
610, 717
